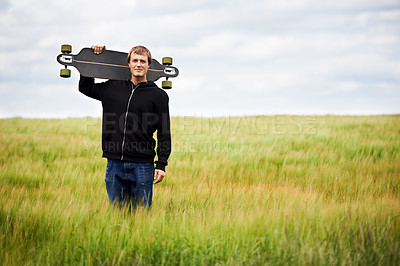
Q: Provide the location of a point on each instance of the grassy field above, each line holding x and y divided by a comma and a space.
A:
276, 190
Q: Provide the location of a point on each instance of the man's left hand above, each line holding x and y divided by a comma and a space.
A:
158, 176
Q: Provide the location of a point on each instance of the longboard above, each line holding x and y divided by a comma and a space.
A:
111, 65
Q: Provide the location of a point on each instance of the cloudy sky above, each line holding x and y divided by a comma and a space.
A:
236, 57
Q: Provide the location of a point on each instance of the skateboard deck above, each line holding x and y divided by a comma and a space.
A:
112, 65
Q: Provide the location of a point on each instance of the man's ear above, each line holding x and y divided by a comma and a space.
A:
128, 59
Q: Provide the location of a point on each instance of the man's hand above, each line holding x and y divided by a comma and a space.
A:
97, 49
158, 176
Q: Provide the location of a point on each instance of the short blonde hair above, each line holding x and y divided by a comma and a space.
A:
139, 49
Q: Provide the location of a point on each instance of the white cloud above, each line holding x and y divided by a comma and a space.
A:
234, 56
348, 86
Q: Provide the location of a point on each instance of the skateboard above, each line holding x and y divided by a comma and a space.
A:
112, 65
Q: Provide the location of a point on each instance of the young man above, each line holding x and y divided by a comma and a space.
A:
132, 111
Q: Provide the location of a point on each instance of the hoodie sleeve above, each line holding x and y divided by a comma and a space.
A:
163, 133
91, 89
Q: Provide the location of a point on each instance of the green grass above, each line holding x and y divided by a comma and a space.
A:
277, 190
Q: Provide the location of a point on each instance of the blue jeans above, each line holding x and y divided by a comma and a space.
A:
128, 182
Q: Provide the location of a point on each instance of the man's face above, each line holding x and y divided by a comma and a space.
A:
138, 65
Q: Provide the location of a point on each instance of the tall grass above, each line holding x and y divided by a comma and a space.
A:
278, 190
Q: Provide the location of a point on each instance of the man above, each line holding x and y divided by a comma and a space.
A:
132, 111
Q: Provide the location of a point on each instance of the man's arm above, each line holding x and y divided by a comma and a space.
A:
163, 139
87, 85
91, 89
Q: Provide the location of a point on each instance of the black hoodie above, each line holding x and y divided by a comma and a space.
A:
131, 115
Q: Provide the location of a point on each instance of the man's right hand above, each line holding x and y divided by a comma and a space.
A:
97, 49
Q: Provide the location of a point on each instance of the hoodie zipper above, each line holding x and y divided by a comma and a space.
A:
126, 117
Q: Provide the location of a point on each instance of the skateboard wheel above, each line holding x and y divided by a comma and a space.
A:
65, 73
167, 61
66, 48
166, 84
